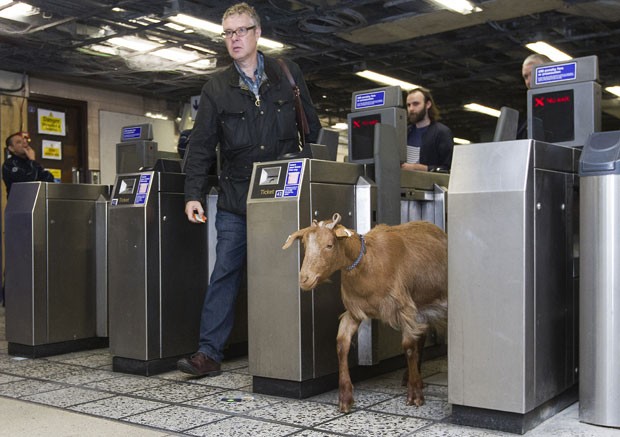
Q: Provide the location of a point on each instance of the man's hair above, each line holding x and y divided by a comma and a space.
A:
433, 112
536, 59
242, 8
8, 141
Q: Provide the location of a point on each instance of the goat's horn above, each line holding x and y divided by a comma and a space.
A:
335, 220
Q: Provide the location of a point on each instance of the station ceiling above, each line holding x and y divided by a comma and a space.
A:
461, 58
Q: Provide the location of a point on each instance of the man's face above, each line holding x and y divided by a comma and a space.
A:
416, 107
19, 146
526, 72
241, 48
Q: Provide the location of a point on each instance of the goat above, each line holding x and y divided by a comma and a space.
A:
397, 274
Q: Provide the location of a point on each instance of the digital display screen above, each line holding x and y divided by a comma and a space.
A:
555, 111
362, 132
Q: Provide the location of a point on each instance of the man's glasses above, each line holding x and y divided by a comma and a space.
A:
240, 32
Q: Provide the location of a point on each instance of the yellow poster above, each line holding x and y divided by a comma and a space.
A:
51, 149
51, 122
56, 172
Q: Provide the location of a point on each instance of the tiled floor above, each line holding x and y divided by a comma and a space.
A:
175, 404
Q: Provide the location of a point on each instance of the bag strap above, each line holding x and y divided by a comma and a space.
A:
302, 122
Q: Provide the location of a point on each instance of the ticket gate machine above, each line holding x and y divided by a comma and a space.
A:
158, 273
513, 274
56, 293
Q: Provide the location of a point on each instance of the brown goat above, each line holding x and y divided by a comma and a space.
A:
397, 274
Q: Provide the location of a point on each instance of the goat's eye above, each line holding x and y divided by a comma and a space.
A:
330, 246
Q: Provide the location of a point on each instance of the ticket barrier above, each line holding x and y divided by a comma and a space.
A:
56, 291
513, 274
158, 274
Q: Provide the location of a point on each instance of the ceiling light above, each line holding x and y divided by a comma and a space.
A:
176, 55
134, 43
18, 10
386, 80
175, 26
5, 2
614, 90
482, 109
103, 49
204, 64
200, 49
156, 116
461, 6
341, 126
197, 23
548, 50
461, 141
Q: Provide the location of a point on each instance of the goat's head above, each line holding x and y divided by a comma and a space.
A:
323, 254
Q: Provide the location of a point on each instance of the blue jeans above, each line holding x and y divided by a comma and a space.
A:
218, 310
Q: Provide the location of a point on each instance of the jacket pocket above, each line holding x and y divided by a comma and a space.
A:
235, 129
286, 119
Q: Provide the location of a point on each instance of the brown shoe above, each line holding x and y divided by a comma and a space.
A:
199, 365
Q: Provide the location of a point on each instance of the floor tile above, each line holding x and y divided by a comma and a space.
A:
9, 378
117, 407
229, 380
26, 387
242, 427
440, 378
447, 430
239, 365
432, 409
234, 401
81, 376
66, 397
298, 412
89, 359
313, 433
363, 398
125, 384
175, 418
176, 392
372, 424
383, 385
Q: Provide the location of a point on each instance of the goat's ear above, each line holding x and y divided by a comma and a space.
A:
342, 232
315, 223
294, 236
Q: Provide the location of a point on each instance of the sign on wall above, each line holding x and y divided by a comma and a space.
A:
51, 122
51, 149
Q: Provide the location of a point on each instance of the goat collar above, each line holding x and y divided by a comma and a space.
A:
359, 257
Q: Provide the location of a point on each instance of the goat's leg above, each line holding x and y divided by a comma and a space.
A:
421, 343
412, 347
348, 326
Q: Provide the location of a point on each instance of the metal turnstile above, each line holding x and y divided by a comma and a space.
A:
158, 273
513, 325
55, 268
599, 288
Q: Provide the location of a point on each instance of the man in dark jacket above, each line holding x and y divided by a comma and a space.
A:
20, 164
249, 110
429, 143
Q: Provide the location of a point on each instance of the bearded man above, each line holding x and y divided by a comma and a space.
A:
429, 143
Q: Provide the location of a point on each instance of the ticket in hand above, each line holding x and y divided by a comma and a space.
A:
200, 217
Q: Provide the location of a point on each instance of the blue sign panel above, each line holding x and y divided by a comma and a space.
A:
131, 133
370, 100
556, 73
293, 179
143, 189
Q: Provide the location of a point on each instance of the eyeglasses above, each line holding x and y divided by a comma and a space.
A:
240, 32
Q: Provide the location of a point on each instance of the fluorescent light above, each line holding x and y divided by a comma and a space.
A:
461, 6
482, 109
5, 2
196, 23
461, 141
17, 10
614, 90
341, 126
156, 116
217, 29
176, 55
204, 64
103, 49
134, 43
200, 49
175, 26
386, 80
548, 50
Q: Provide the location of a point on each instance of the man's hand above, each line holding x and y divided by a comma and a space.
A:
413, 167
195, 212
29, 151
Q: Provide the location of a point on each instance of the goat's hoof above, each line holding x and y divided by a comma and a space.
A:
345, 407
418, 402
